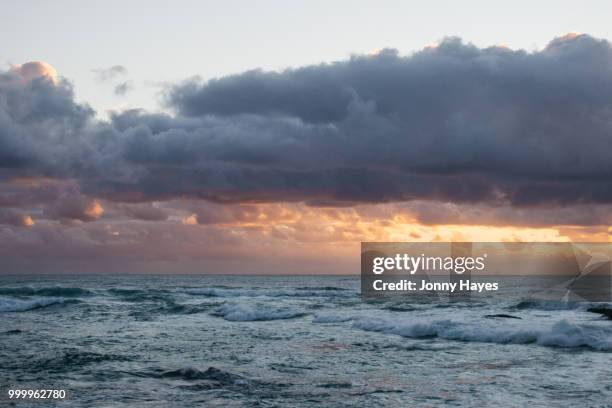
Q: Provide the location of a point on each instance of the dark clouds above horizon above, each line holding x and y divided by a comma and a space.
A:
451, 123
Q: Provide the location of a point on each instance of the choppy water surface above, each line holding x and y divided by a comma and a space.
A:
292, 341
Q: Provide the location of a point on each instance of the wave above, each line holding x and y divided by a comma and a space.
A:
214, 292
70, 359
324, 288
53, 291
340, 384
298, 292
19, 305
555, 305
332, 318
401, 308
211, 374
171, 307
244, 313
560, 334
604, 311
139, 295
11, 332
501, 316
423, 346
545, 305
214, 378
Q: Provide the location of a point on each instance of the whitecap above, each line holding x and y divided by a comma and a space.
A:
331, 318
248, 313
560, 334
18, 305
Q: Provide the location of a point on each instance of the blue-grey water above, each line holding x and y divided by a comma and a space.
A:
237, 341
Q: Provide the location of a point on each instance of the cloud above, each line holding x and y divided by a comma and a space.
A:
190, 220
116, 75
40, 123
11, 217
111, 73
75, 208
27, 192
449, 124
144, 212
31, 71
123, 88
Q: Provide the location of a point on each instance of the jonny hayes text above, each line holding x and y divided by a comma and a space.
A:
409, 285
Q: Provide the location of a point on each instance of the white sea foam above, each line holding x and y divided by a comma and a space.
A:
249, 313
18, 305
331, 318
560, 334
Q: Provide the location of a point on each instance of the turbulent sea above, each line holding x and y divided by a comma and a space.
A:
238, 341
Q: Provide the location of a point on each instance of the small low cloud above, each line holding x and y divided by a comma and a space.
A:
116, 76
74, 208
143, 212
106, 74
123, 88
14, 218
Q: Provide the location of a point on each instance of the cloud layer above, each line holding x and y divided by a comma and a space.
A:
451, 123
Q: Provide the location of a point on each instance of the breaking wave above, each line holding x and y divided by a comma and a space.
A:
171, 307
211, 374
19, 305
560, 334
244, 313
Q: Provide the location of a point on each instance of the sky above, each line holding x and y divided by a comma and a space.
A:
211, 137
160, 44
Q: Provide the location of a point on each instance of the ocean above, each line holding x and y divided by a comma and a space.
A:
297, 341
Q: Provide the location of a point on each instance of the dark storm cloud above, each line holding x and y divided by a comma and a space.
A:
446, 110
41, 125
454, 123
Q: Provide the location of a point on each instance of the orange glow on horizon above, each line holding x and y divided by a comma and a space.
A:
301, 223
